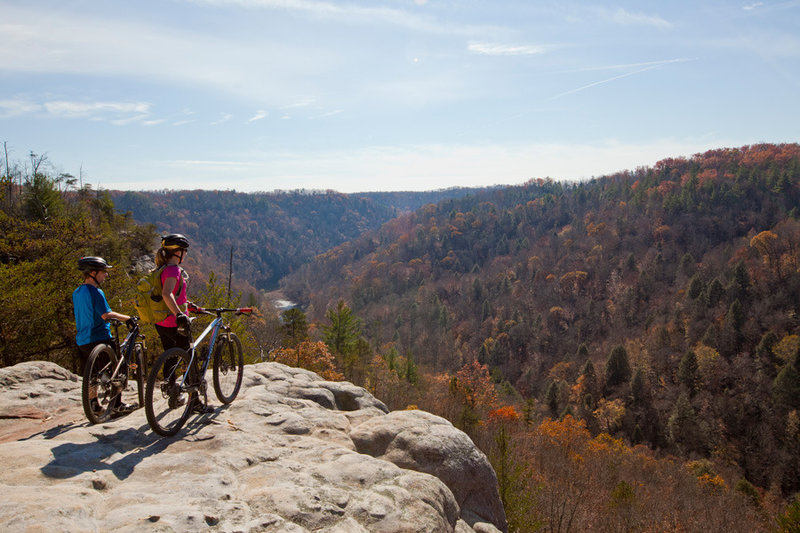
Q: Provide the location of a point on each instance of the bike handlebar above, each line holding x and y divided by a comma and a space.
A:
219, 310
132, 321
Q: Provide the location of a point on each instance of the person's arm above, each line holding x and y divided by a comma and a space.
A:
169, 298
101, 306
117, 316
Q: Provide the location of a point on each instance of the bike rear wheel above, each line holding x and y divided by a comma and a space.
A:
167, 403
98, 391
228, 367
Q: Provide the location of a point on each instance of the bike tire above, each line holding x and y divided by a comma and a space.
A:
97, 384
139, 356
167, 404
228, 368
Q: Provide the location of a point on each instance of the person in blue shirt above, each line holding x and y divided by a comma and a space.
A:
92, 312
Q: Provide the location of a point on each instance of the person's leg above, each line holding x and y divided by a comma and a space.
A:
171, 339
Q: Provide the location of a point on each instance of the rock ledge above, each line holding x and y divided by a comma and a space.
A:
293, 453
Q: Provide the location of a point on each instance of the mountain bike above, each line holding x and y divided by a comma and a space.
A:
177, 378
109, 370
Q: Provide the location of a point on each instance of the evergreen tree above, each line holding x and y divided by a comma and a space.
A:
685, 431
735, 317
741, 280
589, 382
411, 373
688, 371
786, 387
42, 199
295, 327
618, 369
687, 265
582, 353
551, 398
639, 392
714, 293
767, 362
343, 331
696, 287
513, 483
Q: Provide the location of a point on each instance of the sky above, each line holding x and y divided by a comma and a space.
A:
263, 95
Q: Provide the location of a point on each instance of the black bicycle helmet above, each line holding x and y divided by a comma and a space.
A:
174, 241
92, 263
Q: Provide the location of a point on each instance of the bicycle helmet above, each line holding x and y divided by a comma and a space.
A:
92, 263
174, 241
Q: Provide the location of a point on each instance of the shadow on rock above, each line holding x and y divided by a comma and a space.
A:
119, 452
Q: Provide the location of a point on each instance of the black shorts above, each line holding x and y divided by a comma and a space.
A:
171, 339
85, 349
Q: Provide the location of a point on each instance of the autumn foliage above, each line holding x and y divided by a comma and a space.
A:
310, 355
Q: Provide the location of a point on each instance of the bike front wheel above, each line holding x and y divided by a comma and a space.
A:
98, 390
139, 357
167, 399
228, 367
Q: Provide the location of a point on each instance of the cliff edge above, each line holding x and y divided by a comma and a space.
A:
293, 453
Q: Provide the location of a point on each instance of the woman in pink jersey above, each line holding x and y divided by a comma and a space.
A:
174, 330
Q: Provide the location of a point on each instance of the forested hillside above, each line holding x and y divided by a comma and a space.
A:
659, 305
271, 233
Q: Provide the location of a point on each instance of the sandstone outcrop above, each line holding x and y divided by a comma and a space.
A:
293, 453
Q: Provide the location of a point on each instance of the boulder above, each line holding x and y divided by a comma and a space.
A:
293, 453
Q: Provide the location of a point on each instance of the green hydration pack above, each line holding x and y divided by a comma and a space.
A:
149, 303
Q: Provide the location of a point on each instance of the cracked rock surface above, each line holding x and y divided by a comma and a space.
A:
293, 453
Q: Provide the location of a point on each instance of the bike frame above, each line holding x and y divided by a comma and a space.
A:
125, 350
213, 328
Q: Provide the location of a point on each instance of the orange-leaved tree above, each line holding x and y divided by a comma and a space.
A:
310, 355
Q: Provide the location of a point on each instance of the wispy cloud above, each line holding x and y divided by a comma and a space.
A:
224, 118
497, 49
66, 109
752, 6
141, 119
626, 18
328, 114
353, 14
299, 103
260, 115
120, 112
199, 163
16, 107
